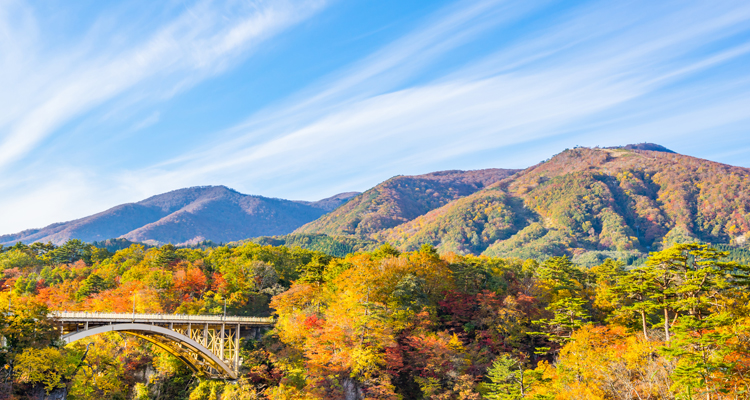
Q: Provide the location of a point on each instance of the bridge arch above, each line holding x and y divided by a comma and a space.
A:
192, 353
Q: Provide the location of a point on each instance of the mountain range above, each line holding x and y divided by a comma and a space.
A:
187, 216
589, 203
401, 199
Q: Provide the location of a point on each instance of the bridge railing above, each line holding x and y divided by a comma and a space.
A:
82, 315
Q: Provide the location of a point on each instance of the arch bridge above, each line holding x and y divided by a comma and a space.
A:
208, 344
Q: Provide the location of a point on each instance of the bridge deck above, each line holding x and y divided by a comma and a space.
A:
81, 317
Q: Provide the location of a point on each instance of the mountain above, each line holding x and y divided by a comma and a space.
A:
401, 199
591, 203
187, 216
588, 203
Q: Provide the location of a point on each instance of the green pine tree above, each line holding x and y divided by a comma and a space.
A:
508, 379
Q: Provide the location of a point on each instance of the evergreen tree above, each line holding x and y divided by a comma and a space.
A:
633, 295
509, 380
683, 279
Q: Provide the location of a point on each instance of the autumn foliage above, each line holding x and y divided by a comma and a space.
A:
387, 324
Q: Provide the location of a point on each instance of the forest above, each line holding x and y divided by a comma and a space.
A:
386, 324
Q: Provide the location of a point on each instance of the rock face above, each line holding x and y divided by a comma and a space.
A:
187, 216
40, 392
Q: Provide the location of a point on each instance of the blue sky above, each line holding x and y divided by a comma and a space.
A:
103, 103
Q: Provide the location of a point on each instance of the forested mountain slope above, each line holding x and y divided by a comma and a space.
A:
401, 199
591, 203
187, 216
336, 246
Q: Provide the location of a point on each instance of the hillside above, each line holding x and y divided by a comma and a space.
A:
401, 199
591, 203
337, 246
187, 216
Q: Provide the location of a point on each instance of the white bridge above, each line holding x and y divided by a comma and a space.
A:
208, 344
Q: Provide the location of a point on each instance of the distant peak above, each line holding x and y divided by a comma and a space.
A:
342, 196
644, 146
211, 187
331, 203
194, 189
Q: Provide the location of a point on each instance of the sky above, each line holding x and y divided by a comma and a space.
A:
104, 103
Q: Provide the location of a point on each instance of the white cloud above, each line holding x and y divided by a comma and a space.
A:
45, 87
152, 119
598, 74
197, 44
557, 82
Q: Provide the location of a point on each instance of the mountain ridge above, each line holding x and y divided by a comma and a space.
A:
401, 199
587, 203
591, 201
174, 217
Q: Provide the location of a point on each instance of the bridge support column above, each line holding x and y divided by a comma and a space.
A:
237, 350
221, 343
205, 335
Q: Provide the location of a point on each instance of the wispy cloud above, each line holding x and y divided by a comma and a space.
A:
563, 78
196, 44
45, 86
598, 73
146, 122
